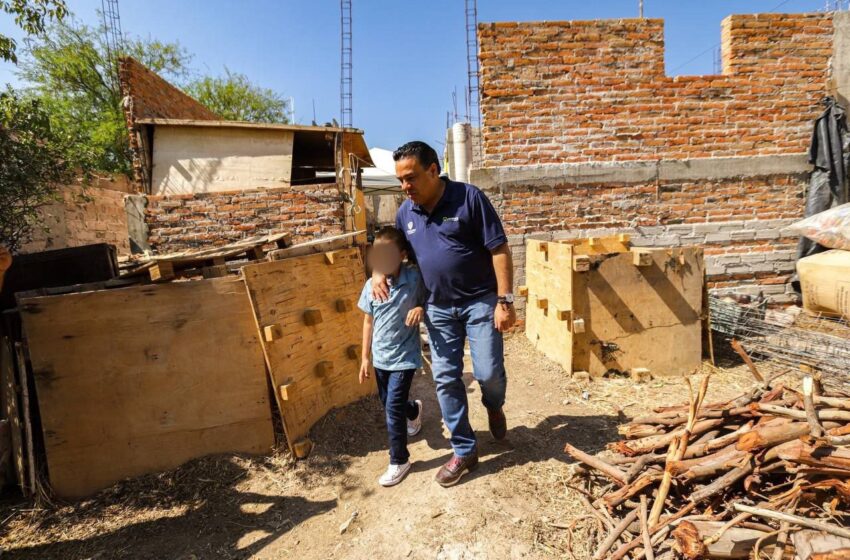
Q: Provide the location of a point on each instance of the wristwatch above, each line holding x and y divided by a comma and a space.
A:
507, 299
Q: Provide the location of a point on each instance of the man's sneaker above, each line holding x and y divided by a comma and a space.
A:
394, 474
498, 423
415, 425
450, 473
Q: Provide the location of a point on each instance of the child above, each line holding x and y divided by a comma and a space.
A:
391, 345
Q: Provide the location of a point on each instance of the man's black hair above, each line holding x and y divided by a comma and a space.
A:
392, 234
421, 151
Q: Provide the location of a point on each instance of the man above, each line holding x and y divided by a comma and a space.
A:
462, 251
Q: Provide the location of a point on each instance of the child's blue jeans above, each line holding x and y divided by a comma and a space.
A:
394, 388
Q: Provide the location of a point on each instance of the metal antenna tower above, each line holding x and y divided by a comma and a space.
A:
112, 28
473, 91
346, 66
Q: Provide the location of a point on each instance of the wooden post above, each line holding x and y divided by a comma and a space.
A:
272, 332
578, 326
324, 368
581, 263
312, 317
162, 271
285, 391
641, 257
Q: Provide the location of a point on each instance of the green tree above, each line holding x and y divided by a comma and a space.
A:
235, 98
70, 71
31, 16
32, 165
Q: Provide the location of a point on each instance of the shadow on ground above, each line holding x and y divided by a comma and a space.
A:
358, 430
217, 519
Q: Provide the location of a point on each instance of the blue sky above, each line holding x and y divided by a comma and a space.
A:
408, 56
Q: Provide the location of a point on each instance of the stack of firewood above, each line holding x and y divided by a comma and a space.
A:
765, 475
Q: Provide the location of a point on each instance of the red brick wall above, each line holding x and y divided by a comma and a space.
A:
153, 97
182, 221
596, 90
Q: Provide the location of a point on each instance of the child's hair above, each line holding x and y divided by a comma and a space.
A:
389, 233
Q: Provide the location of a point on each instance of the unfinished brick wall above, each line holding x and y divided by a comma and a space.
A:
581, 91
180, 222
580, 123
146, 95
83, 216
153, 97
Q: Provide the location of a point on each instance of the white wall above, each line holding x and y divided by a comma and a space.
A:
190, 159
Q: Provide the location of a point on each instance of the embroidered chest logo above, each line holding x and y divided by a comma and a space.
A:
410, 228
450, 219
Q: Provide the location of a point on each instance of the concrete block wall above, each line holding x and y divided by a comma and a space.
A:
179, 222
585, 135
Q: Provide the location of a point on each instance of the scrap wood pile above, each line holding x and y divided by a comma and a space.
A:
764, 475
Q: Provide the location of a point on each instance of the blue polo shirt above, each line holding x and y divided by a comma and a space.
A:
452, 244
395, 346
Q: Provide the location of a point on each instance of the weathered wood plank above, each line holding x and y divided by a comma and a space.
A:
137, 380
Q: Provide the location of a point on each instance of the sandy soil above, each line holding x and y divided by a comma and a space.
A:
518, 503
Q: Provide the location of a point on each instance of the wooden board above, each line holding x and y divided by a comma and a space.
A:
309, 364
321, 245
11, 410
549, 333
244, 248
142, 379
641, 316
620, 310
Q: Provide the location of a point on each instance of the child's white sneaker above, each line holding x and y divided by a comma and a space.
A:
394, 474
415, 425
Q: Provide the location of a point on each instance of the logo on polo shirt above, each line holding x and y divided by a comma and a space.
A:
410, 228
448, 219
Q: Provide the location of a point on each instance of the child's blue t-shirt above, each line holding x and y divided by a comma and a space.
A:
395, 346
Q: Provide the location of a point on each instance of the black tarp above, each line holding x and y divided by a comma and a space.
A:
830, 156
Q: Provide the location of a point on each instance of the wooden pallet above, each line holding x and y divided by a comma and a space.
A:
600, 306
210, 262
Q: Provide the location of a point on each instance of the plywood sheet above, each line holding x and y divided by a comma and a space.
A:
309, 364
548, 311
608, 314
641, 316
143, 379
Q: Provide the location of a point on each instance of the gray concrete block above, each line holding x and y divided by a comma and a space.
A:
742, 235
718, 237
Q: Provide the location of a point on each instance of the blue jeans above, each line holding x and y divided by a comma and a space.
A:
394, 388
448, 327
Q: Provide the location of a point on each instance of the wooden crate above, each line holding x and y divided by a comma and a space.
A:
305, 308
600, 306
137, 380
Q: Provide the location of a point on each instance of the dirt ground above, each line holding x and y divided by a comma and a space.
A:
519, 503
